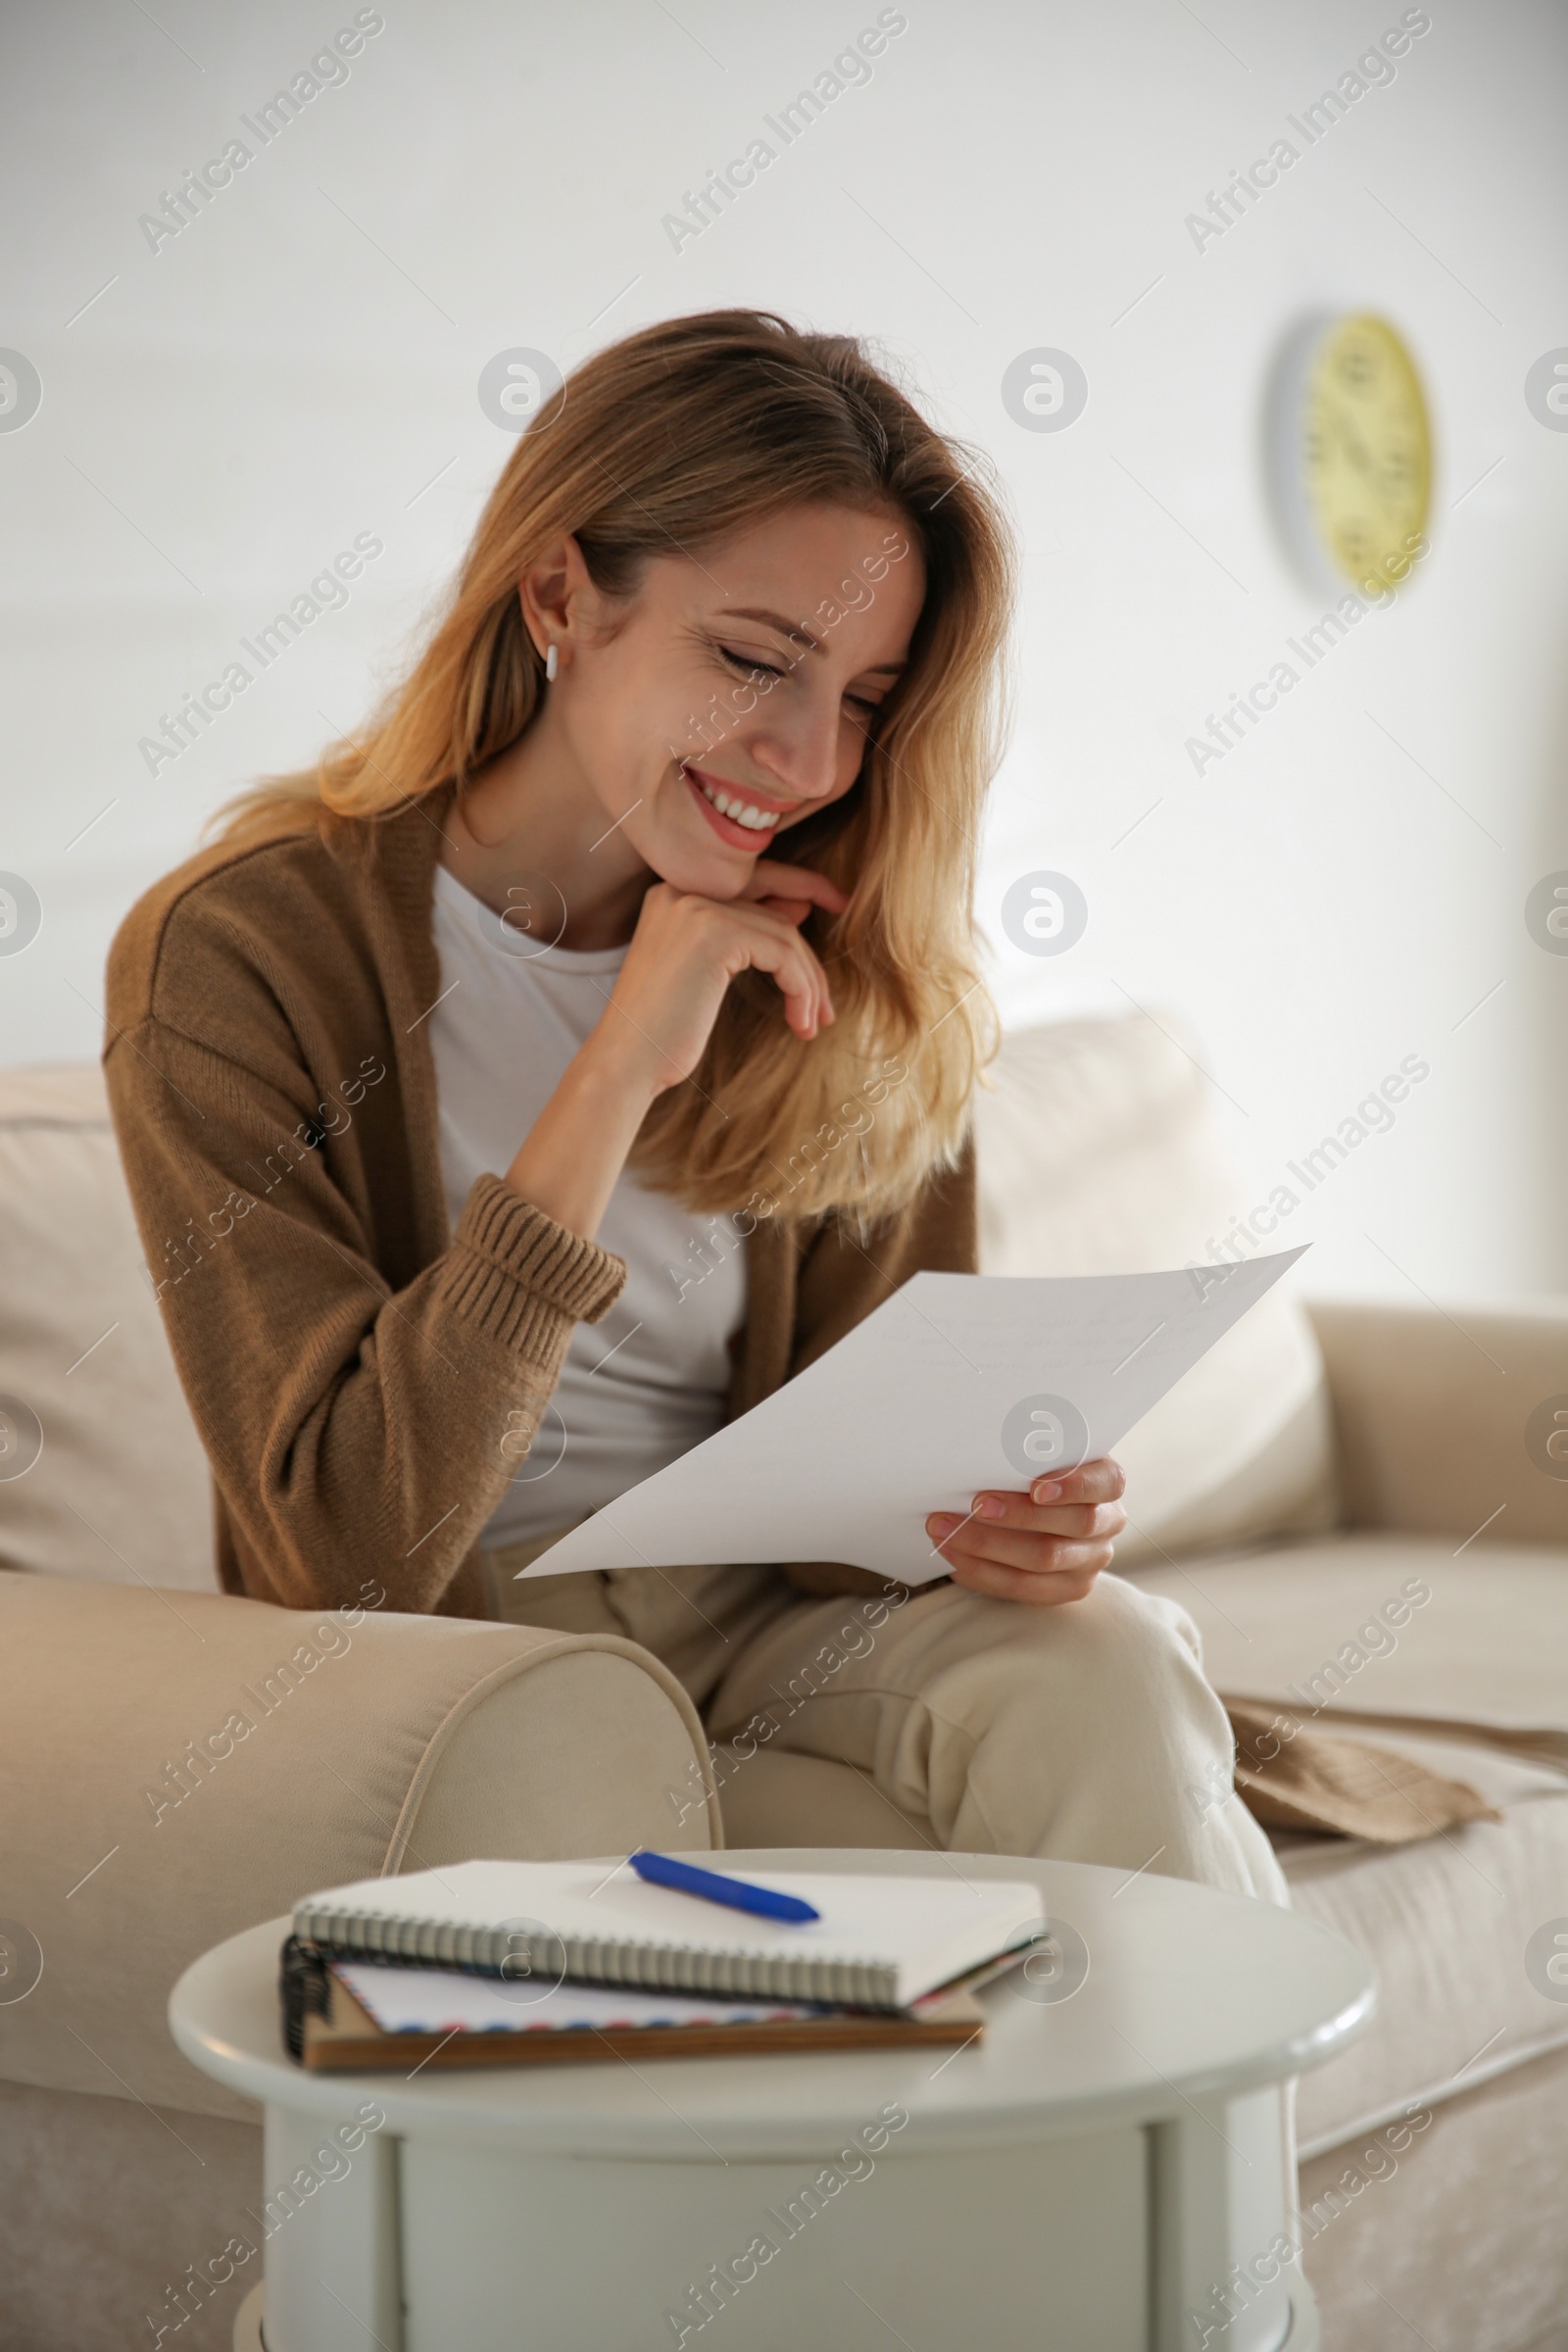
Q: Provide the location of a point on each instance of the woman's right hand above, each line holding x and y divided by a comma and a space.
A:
685, 953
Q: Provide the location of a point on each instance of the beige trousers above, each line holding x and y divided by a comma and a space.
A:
1085, 1732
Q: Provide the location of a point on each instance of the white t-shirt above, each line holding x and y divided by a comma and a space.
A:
650, 1380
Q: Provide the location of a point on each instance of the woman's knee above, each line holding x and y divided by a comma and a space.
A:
1150, 1625
1116, 1660
1118, 1638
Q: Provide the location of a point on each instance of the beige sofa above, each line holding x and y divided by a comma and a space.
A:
179, 1764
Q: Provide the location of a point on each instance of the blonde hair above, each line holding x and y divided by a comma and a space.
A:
669, 440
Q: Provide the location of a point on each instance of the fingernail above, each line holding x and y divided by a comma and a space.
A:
941, 1523
1045, 1490
989, 1506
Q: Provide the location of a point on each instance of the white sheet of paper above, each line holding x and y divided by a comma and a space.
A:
955, 1383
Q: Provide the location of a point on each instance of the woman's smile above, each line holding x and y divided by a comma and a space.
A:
738, 813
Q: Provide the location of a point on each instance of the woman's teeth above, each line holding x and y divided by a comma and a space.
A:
739, 812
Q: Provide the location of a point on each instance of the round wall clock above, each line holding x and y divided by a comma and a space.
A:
1352, 453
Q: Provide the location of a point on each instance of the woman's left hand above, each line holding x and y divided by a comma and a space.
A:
1040, 1547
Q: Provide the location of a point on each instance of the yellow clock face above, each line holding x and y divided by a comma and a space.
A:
1366, 452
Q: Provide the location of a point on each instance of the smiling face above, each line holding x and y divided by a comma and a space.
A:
732, 695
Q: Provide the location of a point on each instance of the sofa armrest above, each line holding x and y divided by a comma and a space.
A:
1433, 1414
178, 1766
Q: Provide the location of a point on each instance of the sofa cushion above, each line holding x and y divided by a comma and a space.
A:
769, 1796
1338, 1628
1097, 1155
119, 1491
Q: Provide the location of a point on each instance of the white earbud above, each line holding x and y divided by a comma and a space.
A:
551, 662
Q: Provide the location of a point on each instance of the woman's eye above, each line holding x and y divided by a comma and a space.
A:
751, 668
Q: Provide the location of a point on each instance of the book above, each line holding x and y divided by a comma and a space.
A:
351, 2017
879, 1944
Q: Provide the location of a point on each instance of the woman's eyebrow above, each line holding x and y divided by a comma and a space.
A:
796, 630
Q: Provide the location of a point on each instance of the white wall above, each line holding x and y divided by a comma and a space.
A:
299, 366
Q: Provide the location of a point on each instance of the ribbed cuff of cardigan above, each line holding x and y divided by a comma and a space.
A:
515, 1272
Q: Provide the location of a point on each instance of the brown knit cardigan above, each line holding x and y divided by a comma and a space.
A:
362, 1376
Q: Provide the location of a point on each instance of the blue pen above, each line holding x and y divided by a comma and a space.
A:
661, 1871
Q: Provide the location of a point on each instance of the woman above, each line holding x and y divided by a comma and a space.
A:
507, 1101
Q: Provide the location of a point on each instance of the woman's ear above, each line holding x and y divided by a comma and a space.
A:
554, 593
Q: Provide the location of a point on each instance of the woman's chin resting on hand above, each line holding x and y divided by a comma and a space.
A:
1041, 1546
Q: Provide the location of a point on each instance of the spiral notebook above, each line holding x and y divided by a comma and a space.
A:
880, 1943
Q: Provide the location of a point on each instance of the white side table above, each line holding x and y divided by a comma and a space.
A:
1103, 2172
